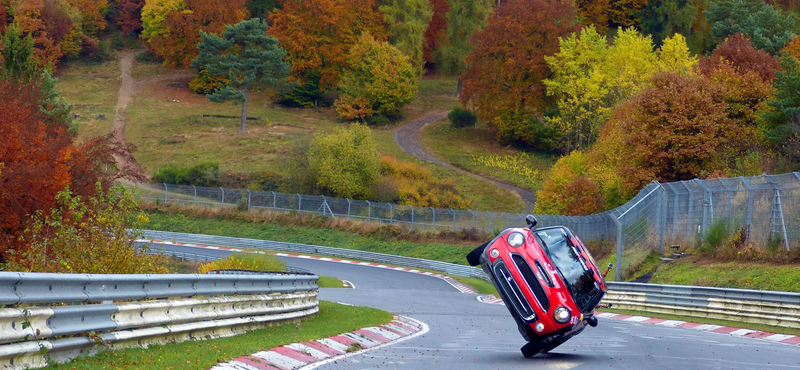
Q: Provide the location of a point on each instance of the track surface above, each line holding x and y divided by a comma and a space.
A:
466, 334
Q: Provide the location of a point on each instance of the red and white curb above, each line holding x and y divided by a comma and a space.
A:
776, 338
461, 287
311, 354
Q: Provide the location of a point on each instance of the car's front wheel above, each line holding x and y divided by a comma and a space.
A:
531, 349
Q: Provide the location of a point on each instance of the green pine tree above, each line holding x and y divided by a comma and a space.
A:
770, 28
247, 57
782, 121
18, 60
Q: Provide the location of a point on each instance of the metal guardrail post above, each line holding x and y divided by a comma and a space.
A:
194, 199
166, 190
299, 203
248, 200
433, 211
675, 212
662, 224
274, 201
506, 220
369, 211
454, 219
348, 208
796, 174
749, 204
223, 196
491, 230
730, 198
391, 213
777, 204
620, 248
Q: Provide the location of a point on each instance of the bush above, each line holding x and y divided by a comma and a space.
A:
245, 261
346, 162
148, 57
203, 174
461, 118
716, 236
416, 186
205, 83
304, 95
85, 235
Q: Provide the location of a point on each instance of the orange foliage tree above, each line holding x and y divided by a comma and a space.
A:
507, 66
435, 29
54, 33
178, 43
130, 16
739, 53
318, 34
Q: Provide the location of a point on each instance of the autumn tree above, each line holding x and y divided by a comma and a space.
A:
53, 31
407, 21
130, 16
380, 81
568, 190
346, 163
738, 52
318, 34
436, 29
769, 28
594, 12
173, 29
464, 18
622, 13
507, 67
246, 57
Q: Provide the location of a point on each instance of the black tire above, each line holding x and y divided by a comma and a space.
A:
529, 350
474, 257
553, 345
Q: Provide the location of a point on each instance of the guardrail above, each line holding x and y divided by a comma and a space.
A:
754, 306
450, 268
61, 316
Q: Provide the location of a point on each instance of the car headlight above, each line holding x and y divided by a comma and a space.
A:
494, 253
539, 327
515, 239
562, 315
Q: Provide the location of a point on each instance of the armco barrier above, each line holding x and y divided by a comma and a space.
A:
756, 306
137, 310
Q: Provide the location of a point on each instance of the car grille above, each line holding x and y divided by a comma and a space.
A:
533, 282
512, 291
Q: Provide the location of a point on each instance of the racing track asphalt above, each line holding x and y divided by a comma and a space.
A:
466, 334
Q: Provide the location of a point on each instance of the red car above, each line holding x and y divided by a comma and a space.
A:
548, 280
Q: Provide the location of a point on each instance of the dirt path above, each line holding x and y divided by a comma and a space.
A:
408, 139
129, 87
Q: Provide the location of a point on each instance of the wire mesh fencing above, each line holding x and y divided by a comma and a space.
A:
766, 209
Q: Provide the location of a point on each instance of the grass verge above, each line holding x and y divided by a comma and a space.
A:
480, 286
332, 319
92, 89
694, 271
329, 282
701, 320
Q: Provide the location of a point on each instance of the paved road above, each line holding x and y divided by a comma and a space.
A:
466, 334
408, 139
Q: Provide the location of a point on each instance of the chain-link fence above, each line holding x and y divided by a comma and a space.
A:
766, 208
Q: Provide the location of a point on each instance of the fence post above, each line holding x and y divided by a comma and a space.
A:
166, 191
675, 213
274, 200
797, 174
749, 204
491, 230
708, 205
249, 195
730, 198
662, 205
689, 211
618, 272
223, 195
454, 219
369, 211
473, 218
348, 208
506, 213
412, 218
194, 200
777, 204
391, 213
434, 218
299, 202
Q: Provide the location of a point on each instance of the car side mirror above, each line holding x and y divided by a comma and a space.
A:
531, 221
610, 266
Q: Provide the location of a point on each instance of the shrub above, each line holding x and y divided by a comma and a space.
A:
205, 83
85, 235
202, 174
346, 162
716, 236
245, 261
416, 186
461, 118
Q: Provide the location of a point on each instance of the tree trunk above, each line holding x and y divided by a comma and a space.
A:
242, 130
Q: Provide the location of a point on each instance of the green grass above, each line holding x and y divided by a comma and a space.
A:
436, 93
307, 235
329, 282
331, 320
458, 146
703, 320
92, 89
481, 286
730, 275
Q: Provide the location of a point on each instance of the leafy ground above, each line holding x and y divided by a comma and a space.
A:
332, 319
92, 89
462, 146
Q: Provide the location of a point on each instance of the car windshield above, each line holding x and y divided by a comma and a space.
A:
576, 274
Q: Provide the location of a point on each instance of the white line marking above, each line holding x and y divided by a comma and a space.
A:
279, 359
741, 332
706, 327
315, 353
778, 337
